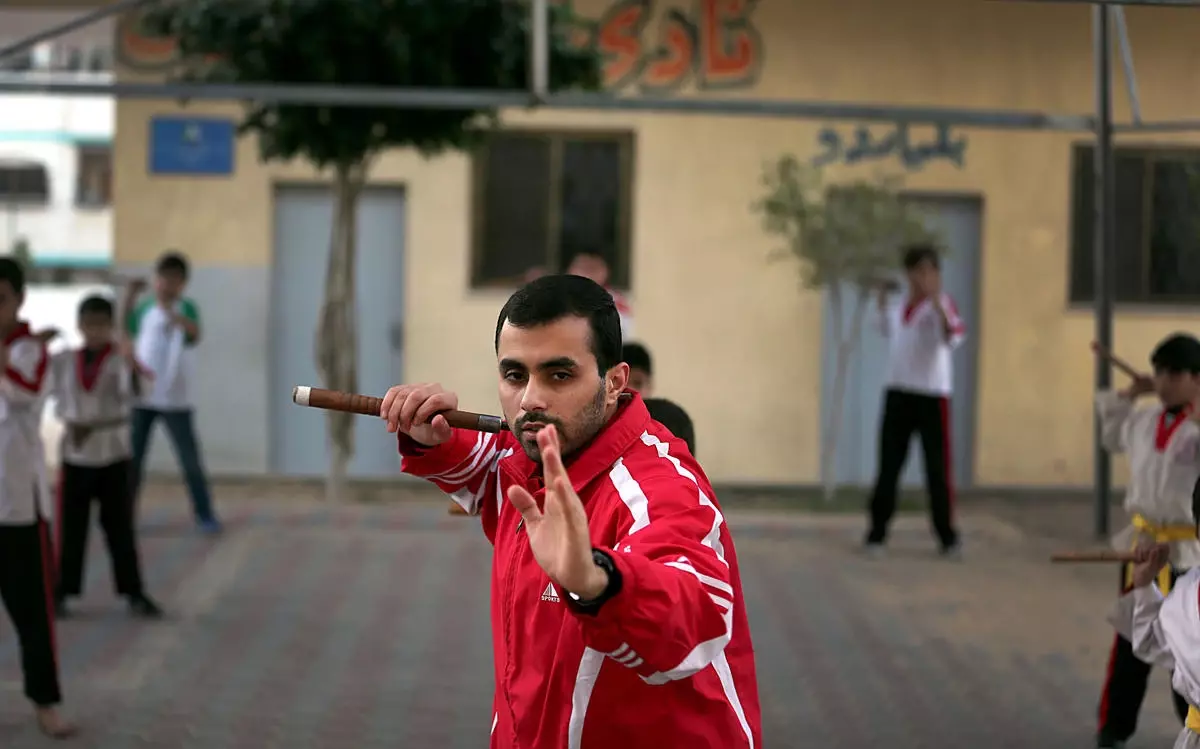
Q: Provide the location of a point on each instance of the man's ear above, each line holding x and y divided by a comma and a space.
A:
615, 381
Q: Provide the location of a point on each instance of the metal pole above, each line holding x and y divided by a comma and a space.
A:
539, 29
1163, 126
1104, 250
87, 19
416, 98
1135, 104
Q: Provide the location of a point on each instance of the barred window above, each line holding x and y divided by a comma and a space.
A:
24, 184
93, 182
1158, 226
543, 198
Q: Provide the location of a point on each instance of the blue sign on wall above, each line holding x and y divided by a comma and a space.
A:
192, 145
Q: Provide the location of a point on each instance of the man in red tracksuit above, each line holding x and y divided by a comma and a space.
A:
617, 613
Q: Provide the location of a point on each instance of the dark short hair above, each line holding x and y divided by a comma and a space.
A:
916, 254
674, 418
14, 273
172, 262
551, 298
1177, 353
637, 356
1196, 504
97, 305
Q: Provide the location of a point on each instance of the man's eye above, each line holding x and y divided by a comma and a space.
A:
561, 376
514, 376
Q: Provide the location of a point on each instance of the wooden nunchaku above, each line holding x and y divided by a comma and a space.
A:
1117, 362
1096, 555
333, 400
1103, 555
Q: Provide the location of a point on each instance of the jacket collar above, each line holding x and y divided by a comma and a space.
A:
597, 458
21, 331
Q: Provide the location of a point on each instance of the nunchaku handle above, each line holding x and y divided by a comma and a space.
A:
1096, 555
1117, 362
334, 400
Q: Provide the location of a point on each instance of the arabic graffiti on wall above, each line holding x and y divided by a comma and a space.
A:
862, 146
712, 44
659, 49
139, 52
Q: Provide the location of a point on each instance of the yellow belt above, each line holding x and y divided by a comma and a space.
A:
1161, 534
1193, 719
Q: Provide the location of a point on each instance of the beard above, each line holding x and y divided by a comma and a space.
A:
573, 433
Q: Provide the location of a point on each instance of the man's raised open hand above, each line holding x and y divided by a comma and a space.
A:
558, 532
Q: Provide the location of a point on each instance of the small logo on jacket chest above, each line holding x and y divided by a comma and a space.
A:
550, 594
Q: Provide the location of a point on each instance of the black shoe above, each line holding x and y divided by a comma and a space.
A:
60, 608
1104, 741
144, 608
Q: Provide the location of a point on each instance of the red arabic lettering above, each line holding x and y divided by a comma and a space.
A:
619, 41
717, 46
675, 59
730, 44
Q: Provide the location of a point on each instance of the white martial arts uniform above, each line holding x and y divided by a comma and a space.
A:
1164, 465
1166, 632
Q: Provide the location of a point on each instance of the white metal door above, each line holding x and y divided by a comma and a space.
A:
958, 221
303, 220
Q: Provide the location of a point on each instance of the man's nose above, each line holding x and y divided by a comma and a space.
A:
532, 400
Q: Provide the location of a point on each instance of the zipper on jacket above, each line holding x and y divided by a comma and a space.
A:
509, 609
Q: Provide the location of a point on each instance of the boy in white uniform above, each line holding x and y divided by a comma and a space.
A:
1166, 631
1162, 443
26, 553
94, 388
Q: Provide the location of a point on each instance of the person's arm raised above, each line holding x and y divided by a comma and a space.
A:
461, 462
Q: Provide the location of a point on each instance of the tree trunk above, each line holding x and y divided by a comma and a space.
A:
829, 434
847, 342
337, 333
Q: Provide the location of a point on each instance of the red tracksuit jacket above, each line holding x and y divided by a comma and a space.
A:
667, 662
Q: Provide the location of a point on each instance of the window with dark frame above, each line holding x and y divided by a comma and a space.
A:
93, 180
1158, 226
541, 198
24, 184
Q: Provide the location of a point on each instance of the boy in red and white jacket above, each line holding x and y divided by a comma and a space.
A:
26, 510
922, 333
617, 611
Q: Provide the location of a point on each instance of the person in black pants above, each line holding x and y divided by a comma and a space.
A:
26, 553
922, 331
94, 389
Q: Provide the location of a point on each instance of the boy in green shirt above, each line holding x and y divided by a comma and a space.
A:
165, 329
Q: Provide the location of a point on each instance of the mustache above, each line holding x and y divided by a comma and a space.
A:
538, 419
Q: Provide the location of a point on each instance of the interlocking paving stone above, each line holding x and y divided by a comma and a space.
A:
364, 626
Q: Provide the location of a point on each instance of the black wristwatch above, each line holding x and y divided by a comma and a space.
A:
605, 562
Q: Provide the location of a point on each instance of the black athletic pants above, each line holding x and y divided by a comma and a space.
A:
1125, 684
929, 417
26, 585
109, 487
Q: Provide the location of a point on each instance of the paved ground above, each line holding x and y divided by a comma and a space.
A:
364, 627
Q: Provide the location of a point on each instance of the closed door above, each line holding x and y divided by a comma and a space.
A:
958, 223
303, 223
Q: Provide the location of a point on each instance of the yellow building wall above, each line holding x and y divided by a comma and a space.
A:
734, 338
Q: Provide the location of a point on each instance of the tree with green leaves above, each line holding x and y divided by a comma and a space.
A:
448, 44
845, 240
